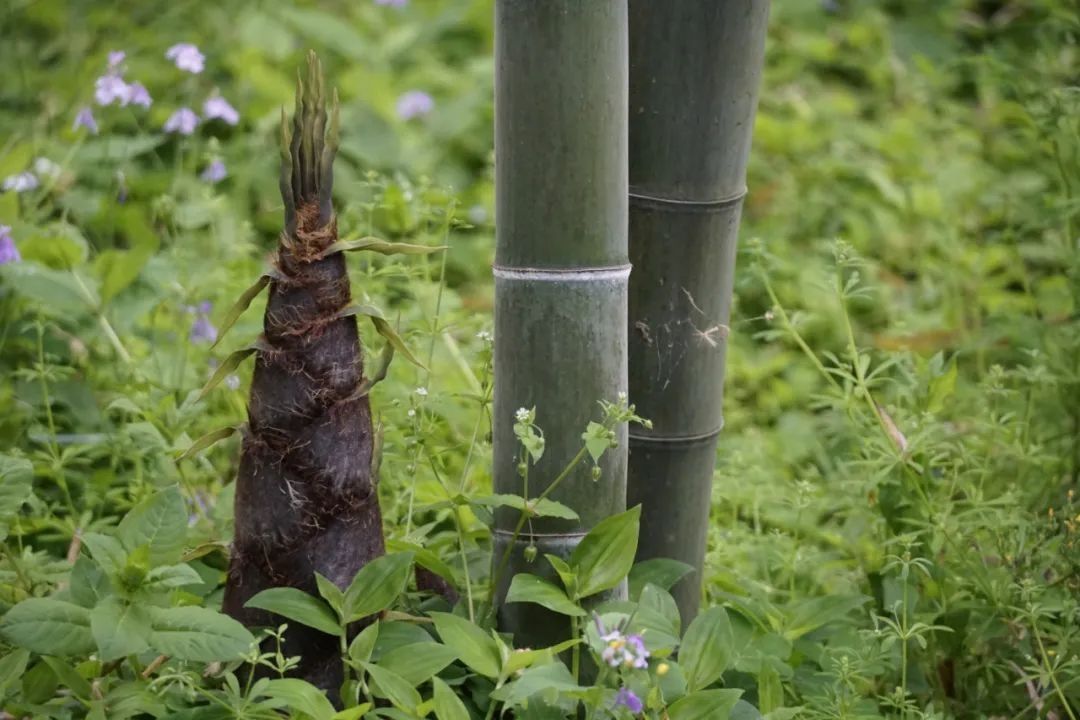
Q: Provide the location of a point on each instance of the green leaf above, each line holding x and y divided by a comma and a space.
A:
54, 292
537, 507
49, 627
89, 583
120, 628
331, 593
160, 522
70, 677
529, 588
521, 659
298, 606
418, 662
116, 147
384, 328
12, 667
210, 438
382, 247
301, 696
660, 601
226, 368
554, 678
198, 634
564, 571
475, 647
605, 555
377, 585
16, 485
106, 550
172, 576
364, 643
707, 648
353, 713
942, 387
662, 572
704, 705
238, 308
448, 705
393, 687
597, 441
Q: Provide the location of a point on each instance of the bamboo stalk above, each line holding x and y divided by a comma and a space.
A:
306, 500
560, 268
695, 69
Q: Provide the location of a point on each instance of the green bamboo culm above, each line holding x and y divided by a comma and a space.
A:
560, 271
695, 70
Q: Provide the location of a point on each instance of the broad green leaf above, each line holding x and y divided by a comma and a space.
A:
159, 522
535, 507
89, 584
172, 576
529, 588
521, 659
363, 644
812, 613
353, 713
120, 628
475, 647
118, 269
707, 648
660, 601
448, 705
210, 438
12, 667
106, 550
238, 308
300, 695
198, 634
393, 687
69, 677
704, 705
662, 572
394, 634
564, 571
605, 555
424, 557
298, 606
596, 440
331, 593
16, 485
377, 585
418, 662
382, 247
116, 147
49, 627
54, 292
553, 678
384, 328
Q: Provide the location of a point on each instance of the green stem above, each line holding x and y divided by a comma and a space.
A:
1050, 670
461, 540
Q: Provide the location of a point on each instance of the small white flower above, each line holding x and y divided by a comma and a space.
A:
45, 167
421, 391
522, 415
621, 397
484, 336
412, 413
769, 315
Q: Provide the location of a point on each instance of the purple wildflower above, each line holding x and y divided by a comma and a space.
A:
85, 118
202, 330
219, 107
215, 172
627, 699
182, 121
8, 252
413, 104
137, 94
115, 58
186, 57
626, 650
109, 89
22, 182
392, 3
